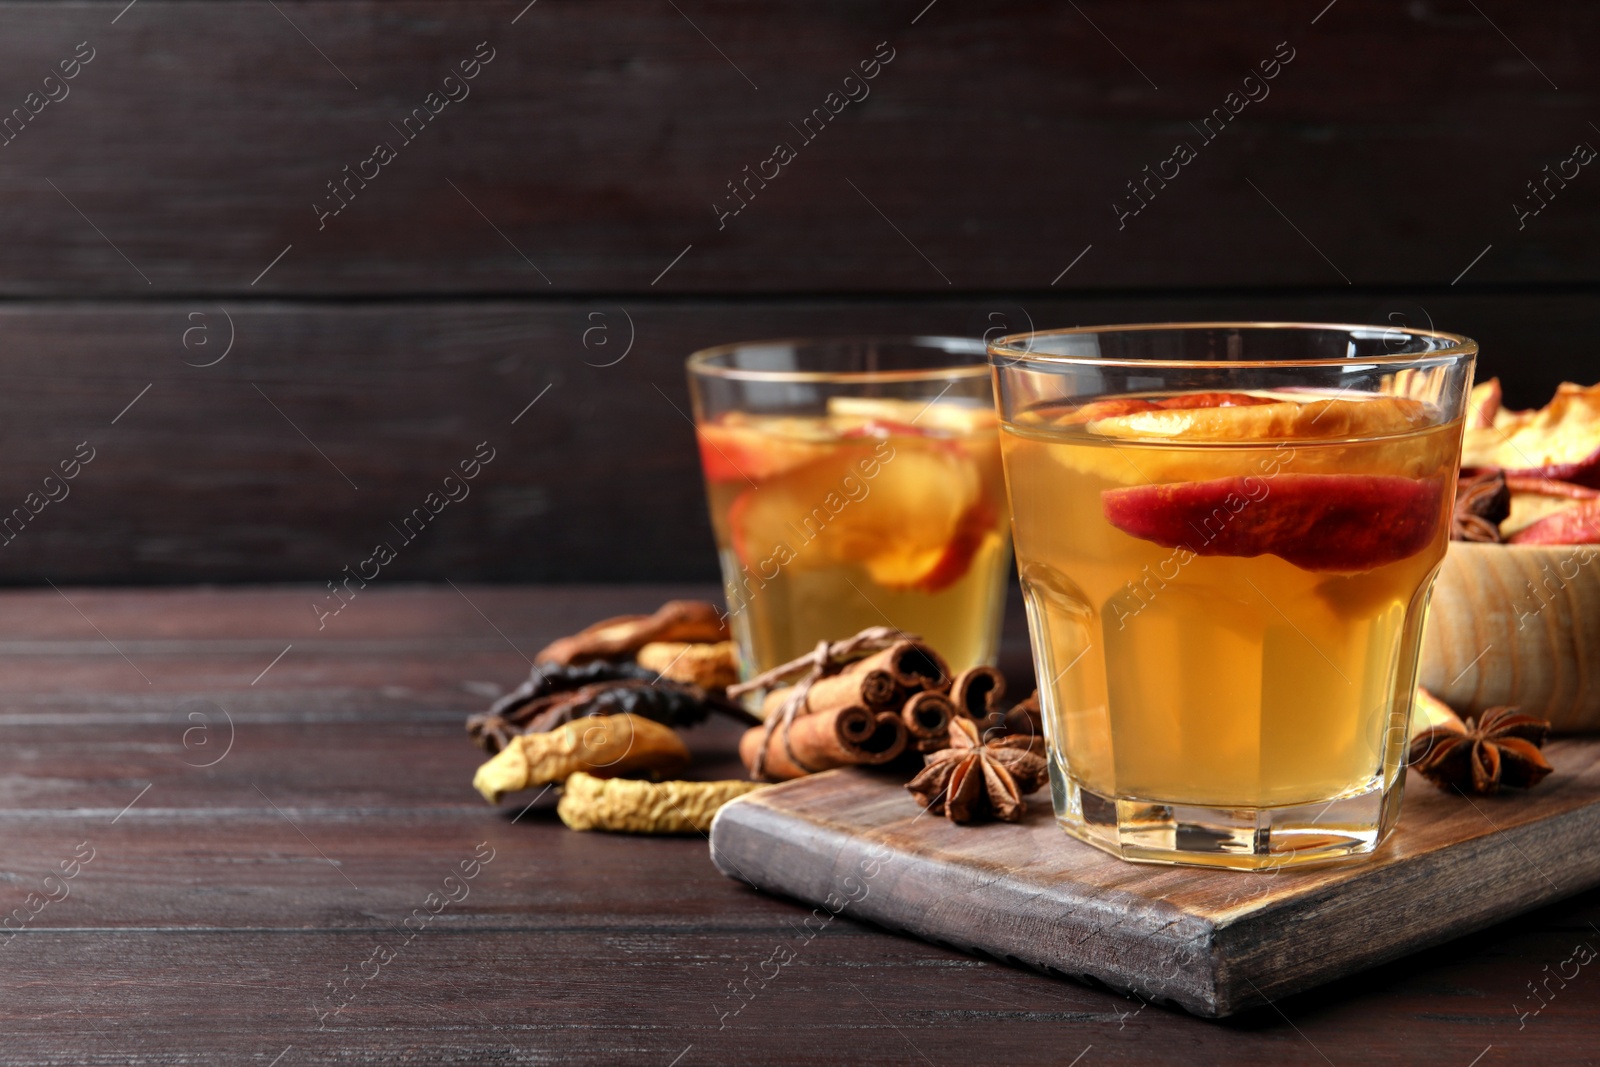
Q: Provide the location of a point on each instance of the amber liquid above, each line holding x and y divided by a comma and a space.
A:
828, 525
1229, 681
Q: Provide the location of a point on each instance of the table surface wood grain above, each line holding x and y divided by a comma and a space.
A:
269, 807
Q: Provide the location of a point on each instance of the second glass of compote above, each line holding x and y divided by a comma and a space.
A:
1226, 535
854, 482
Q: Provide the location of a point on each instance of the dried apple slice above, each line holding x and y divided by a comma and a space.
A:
737, 448
1109, 408
1560, 441
1116, 406
1575, 524
974, 528
1344, 523
1534, 498
863, 415
1275, 420
911, 526
1428, 711
1483, 404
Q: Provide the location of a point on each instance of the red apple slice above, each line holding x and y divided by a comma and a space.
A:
972, 530
860, 416
1576, 524
1560, 441
1585, 471
1319, 522
1483, 404
1274, 420
1117, 406
1534, 498
880, 428
735, 451
1212, 400
914, 524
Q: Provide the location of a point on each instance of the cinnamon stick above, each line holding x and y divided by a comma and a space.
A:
860, 683
977, 692
927, 717
913, 666
852, 736
860, 686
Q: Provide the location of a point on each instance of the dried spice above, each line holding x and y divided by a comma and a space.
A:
621, 637
626, 806
977, 692
1501, 749
607, 746
843, 737
927, 717
546, 680
555, 695
850, 732
1483, 500
973, 779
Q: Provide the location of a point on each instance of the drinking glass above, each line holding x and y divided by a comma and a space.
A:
854, 482
1227, 534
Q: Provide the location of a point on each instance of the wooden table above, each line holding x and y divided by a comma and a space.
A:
266, 804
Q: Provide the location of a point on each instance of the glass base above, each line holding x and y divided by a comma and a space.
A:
1346, 828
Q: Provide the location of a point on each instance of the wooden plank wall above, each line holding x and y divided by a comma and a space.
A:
559, 226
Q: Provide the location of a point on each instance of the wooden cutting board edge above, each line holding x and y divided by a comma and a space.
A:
1474, 882
1401, 907
1013, 934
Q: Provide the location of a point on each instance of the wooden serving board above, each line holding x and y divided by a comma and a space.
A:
854, 842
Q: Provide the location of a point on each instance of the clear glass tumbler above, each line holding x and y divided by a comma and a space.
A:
854, 482
1227, 534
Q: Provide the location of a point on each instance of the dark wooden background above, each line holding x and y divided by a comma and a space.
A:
538, 217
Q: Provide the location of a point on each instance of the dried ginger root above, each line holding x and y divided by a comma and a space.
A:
712, 665
590, 803
600, 744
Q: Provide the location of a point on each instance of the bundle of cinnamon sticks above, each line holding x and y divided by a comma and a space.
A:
868, 711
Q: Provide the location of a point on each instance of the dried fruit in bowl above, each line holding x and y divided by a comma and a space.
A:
1535, 499
1576, 524
1483, 500
1560, 441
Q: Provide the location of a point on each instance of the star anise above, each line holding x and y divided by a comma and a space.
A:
973, 778
1482, 503
1500, 750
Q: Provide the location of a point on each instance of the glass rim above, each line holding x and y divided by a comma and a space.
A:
700, 362
1007, 349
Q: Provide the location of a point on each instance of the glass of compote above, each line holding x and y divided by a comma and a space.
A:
854, 482
1227, 534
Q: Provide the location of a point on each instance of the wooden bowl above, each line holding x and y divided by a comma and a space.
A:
1517, 624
